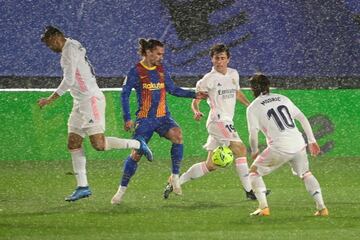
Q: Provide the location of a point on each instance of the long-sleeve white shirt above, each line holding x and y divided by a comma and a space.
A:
78, 75
274, 115
222, 94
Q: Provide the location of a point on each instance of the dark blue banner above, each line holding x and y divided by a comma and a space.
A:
280, 38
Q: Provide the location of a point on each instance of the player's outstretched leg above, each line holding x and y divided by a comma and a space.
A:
144, 148
79, 193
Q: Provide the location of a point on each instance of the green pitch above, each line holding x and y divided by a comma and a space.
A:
34, 181
32, 203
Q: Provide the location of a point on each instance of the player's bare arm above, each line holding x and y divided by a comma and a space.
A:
242, 98
314, 149
46, 101
128, 125
196, 110
202, 95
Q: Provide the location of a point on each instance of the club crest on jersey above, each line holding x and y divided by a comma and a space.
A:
153, 86
233, 81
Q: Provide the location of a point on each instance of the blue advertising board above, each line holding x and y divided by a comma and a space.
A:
280, 38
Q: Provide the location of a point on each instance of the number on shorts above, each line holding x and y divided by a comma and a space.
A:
281, 117
230, 127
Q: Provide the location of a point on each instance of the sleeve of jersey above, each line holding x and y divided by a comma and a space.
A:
177, 91
70, 58
202, 85
128, 84
253, 131
306, 126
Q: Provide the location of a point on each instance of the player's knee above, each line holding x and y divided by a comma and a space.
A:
210, 166
177, 138
135, 156
98, 146
303, 176
175, 135
238, 149
73, 146
253, 170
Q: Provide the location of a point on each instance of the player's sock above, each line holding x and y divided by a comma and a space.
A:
79, 166
130, 167
259, 189
121, 190
119, 143
313, 187
195, 171
243, 172
176, 157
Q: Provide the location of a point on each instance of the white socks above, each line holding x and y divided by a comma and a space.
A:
195, 171
313, 187
117, 198
259, 189
79, 167
243, 172
119, 143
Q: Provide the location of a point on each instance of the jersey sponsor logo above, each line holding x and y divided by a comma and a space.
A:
227, 93
269, 100
153, 86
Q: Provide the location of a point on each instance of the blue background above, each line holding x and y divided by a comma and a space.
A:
282, 38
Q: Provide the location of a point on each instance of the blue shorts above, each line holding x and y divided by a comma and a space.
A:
146, 127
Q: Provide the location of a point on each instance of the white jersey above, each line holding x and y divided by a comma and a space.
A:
222, 91
274, 115
78, 75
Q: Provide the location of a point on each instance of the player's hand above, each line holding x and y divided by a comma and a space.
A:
198, 116
314, 149
202, 95
254, 155
128, 125
43, 102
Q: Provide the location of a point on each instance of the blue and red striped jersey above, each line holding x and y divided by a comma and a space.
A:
151, 86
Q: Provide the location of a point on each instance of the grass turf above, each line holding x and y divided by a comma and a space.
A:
32, 203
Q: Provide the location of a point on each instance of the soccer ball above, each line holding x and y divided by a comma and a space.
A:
222, 156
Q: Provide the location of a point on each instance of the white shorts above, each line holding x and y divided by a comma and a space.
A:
88, 117
220, 134
271, 159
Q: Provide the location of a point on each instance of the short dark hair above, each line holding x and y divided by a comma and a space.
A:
259, 84
148, 44
50, 31
219, 48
